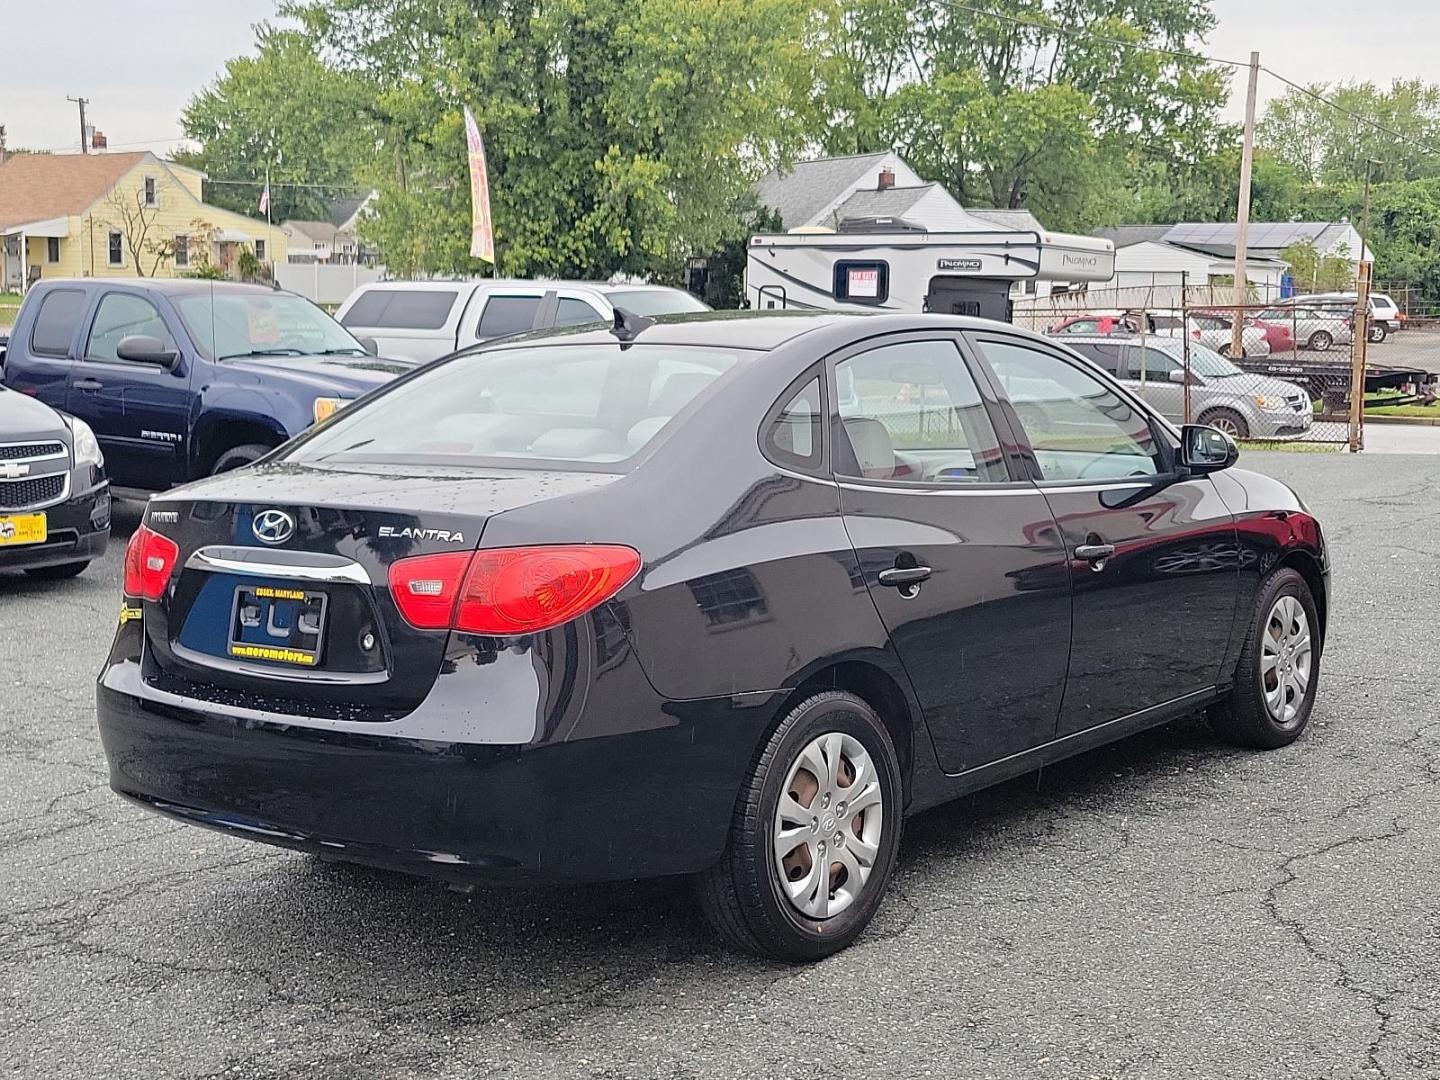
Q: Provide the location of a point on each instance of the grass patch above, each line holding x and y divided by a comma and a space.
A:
1291, 446
1411, 412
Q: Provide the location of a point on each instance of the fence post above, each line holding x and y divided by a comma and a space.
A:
1185, 334
1360, 339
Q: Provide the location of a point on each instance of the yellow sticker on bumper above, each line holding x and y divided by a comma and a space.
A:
262, 652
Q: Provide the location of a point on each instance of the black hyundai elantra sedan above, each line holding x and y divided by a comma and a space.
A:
720, 596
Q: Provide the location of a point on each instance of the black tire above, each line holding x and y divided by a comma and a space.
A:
1379, 332
60, 572
1228, 421
1320, 341
237, 456
741, 894
1242, 718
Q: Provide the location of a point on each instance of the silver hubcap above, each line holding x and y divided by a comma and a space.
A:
827, 826
1285, 660
1225, 424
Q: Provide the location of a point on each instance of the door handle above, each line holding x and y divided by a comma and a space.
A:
901, 576
88, 384
1094, 553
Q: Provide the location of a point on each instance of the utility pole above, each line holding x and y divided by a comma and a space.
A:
1360, 321
1242, 212
82, 102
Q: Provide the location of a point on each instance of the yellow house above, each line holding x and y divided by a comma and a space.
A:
123, 215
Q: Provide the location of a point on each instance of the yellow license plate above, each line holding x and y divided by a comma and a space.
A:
22, 529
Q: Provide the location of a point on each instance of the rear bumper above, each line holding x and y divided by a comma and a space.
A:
641, 804
79, 531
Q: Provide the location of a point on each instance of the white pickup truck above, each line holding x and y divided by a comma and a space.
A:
424, 320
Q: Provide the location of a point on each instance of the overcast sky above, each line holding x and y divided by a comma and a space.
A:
139, 68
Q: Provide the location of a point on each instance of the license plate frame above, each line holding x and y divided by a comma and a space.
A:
21, 530
252, 633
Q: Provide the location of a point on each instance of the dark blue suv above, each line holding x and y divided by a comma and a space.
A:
184, 378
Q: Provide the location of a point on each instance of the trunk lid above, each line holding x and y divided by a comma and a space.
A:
282, 585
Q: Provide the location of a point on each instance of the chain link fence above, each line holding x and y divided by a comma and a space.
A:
1273, 369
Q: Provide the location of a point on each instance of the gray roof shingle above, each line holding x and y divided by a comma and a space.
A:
892, 202
799, 194
1012, 220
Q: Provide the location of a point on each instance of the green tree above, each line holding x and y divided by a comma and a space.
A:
286, 110
1010, 113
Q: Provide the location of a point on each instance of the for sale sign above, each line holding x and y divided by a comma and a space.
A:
863, 283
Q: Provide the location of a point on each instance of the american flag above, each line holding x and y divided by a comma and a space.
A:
265, 199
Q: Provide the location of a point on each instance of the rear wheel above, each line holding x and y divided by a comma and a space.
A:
237, 456
814, 836
1320, 341
1379, 332
1278, 671
60, 572
1228, 421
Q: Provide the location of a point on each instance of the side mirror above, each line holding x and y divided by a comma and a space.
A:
144, 349
370, 345
1205, 449
1177, 375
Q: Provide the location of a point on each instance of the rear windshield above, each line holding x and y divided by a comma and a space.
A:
595, 406
655, 301
401, 309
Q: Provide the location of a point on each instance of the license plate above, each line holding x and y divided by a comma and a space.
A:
22, 529
277, 625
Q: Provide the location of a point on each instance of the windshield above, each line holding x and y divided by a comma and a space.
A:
656, 301
1207, 363
225, 325
592, 405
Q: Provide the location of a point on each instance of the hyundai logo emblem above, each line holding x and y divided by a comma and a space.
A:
273, 526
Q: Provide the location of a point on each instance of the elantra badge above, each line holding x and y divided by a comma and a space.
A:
273, 526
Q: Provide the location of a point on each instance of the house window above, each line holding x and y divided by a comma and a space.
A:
52, 249
149, 191
117, 248
260, 250
182, 251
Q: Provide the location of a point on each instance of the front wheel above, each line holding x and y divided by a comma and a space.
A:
238, 456
1228, 421
814, 836
1379, 332
1278, 670
1320, 341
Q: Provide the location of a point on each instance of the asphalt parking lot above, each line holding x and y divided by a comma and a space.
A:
1164, 908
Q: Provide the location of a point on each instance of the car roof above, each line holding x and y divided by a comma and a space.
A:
1160, 341
166, 286
473, 284
760, 330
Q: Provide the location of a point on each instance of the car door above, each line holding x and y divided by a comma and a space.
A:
959, 553
1149, 373
139, 412
1153, 551
39, 363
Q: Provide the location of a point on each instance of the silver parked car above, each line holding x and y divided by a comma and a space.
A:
1316, 328
1239, 403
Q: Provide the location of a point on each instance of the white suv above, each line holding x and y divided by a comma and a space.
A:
1384, 315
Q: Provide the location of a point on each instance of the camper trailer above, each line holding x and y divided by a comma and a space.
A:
887, 265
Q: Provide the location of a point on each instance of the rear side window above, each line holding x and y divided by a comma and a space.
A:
507, 315
55, 322
589, 406
402, 309
793, 430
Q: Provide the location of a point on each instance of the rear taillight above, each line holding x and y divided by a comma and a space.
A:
508, 591
149, 560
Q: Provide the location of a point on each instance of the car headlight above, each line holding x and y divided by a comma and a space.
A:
87, 448
326, 407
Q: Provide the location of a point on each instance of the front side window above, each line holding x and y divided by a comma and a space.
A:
56, 321
588, 406
911, 411
1156, 364
507, 315
228, 325
572, 312
117, 248
1078, 427
119, 316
